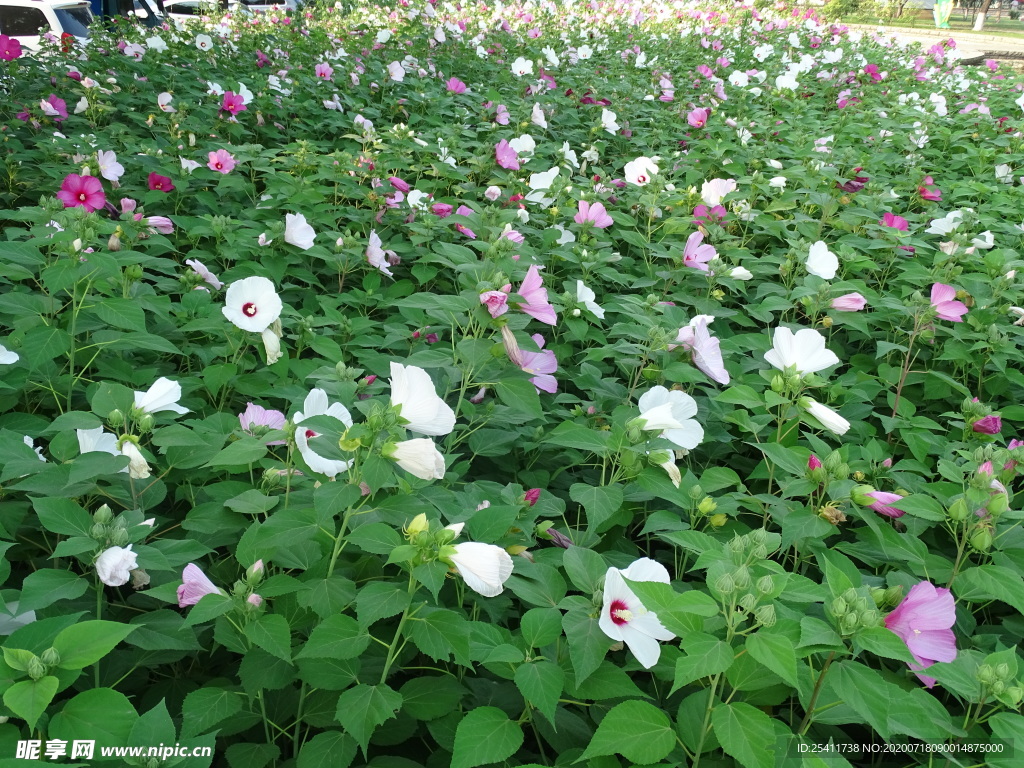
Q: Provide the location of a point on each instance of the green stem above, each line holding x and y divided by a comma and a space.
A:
99, 617
394, 648
707, 721
298, 721
808, 716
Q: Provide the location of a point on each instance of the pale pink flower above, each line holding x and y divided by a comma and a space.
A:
536, 296
696, 255
595, 213
943, 298
924, 621
496, 301
850, 302
222, 161
195, 586
506, 157
200, 269
258, 416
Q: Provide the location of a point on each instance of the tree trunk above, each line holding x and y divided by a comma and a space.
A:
979, 20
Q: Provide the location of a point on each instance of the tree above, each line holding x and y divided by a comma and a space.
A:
979, 20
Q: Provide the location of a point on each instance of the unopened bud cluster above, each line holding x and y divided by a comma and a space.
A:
854, 610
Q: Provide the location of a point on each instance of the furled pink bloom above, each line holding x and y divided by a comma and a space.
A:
507, 157
10, 48
849, 302
54, 107
928, 191
595, 213
883, 503
696, 255
398, 184
160, 183
195, 586
200, 269
856, 184
924, 622
1015, 443
454, 85
872, 71
704, 215
946, 307
501, 115
542, 364
441, 210
813, 462
465, 210
254, 600
895, 222
160, 224
698, 117
128, 205
532, 496
496, 301
82, 192
988, 425
324, 71
222, 161
514, 235
705, 348
536, 296
258, 416
233, 103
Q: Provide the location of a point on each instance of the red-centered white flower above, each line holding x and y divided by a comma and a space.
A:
252, 304
316, 404
195, 586
640, 171
484, 567
623, 616
114, 565
298, 232
412, 392
804, 350
669, 412
419, 457
162, 396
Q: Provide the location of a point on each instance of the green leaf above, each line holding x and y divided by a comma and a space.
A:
86, 643
588, 644
428, 697
638, 731
541, 626
745, 733
569, 434
30, 698
376, 538
485, 735
63, 516
120, 313
541, 684
206, 707
990, 582
440, 633
380, 599
248, 755
252, 502
45, 587
777, 653
241, 453
102, 714
520, 395
337, 637
209, 607
673, 609
600, 502
924, 507
705, 656
792, 460
585, 568
154, 727
883, 642
330, 748
272, 633
363, 708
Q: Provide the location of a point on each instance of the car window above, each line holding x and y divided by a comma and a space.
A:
75, 20
22, 21
185, 9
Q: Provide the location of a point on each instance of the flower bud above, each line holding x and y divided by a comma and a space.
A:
145, 423
998, 687
1002, 670
103, 514
115, 419
765, 584
741, 577
696, 492
418, 524
99, 532
725, 584
958, 510
114, 245
998, 504
50, 657
119, 537
849, 624
839, 607
718, 520
986, 674
36, 669
765, 615
778, 384
254, 573
869, 618
707, 506
981, 540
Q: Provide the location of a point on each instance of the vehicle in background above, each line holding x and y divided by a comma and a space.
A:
28, 20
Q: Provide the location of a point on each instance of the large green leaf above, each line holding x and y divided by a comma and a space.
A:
28, 699
745, 733
207, 707
600, 502
102, 714
705, 655
638, 731
990, 582
89, 641
363, 708
485, 735
541, 684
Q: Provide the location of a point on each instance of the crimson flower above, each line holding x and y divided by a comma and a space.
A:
160, 183
233, 103
988, 425
82, 192
894, 222
10, 48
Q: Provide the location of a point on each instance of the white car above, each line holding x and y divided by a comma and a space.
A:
27, 20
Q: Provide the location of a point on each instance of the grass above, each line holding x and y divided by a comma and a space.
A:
958, 23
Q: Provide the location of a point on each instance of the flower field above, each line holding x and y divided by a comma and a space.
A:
532, 384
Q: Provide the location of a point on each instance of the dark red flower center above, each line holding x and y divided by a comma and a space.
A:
310, 433
619, 612
249, 309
